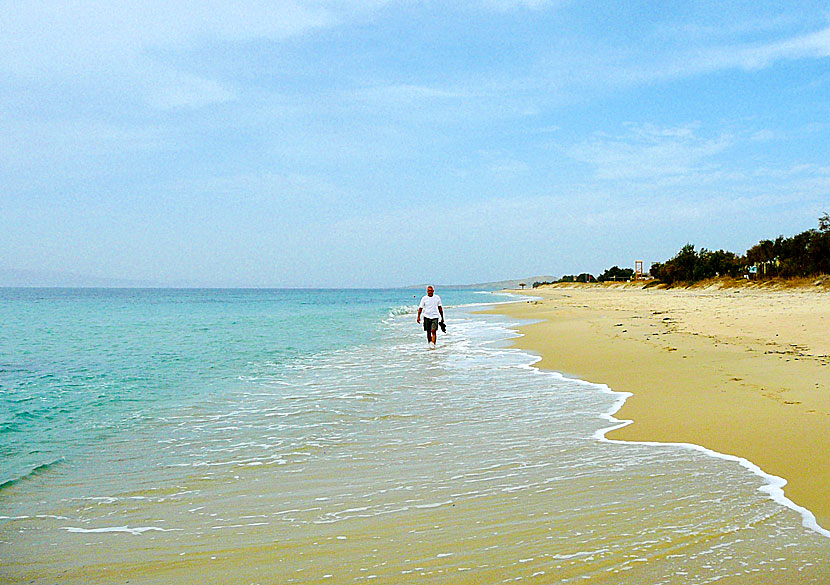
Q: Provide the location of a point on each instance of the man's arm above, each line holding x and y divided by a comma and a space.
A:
419, 314
441, 310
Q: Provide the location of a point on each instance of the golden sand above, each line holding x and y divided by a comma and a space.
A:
743, 371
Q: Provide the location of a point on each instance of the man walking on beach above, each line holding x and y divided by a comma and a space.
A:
432, 309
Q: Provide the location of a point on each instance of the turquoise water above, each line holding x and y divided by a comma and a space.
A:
309, 436
79, 366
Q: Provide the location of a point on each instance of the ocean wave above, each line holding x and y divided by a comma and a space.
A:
34, 471
402, 310
337, 434
125, 529
772, 485
8, 427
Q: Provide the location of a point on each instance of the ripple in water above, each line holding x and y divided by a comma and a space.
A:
395, 464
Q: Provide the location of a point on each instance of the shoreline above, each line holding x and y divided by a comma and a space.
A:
740, 373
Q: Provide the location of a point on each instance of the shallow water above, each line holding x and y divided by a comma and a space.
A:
234, 446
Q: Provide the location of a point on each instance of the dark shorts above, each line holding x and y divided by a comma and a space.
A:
430, 324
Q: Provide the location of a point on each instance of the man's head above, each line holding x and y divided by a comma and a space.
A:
430, 291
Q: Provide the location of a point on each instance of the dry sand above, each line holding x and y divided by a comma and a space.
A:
743, 371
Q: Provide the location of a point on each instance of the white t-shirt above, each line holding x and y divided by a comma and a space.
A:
430, 306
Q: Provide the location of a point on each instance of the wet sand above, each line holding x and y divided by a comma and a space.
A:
744, 371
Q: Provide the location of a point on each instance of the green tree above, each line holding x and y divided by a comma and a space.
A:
680, 268
616, 273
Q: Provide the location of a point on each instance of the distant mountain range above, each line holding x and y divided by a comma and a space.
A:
44, 278
497, 285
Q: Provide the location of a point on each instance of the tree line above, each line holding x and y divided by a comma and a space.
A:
805, 254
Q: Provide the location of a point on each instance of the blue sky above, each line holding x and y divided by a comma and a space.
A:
384, 143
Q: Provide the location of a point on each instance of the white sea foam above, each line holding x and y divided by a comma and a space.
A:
403, 310
773, 485
138, 530
464, 451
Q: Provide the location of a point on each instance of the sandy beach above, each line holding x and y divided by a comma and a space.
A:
743, 371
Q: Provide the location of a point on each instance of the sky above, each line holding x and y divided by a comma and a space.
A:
381, 143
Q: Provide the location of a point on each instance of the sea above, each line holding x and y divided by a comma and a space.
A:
312, 437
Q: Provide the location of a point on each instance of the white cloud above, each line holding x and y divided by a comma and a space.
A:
66, 36
649, 152
660, 57
702, 59
815, 45
35, 152
508, 5
116, 42
405, 94
764, 135
508, 168
119, 43
261, 187
794, 171
177, 91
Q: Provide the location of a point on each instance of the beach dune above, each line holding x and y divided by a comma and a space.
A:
744, 371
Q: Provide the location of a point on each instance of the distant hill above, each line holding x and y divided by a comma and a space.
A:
44, 278
497, 285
